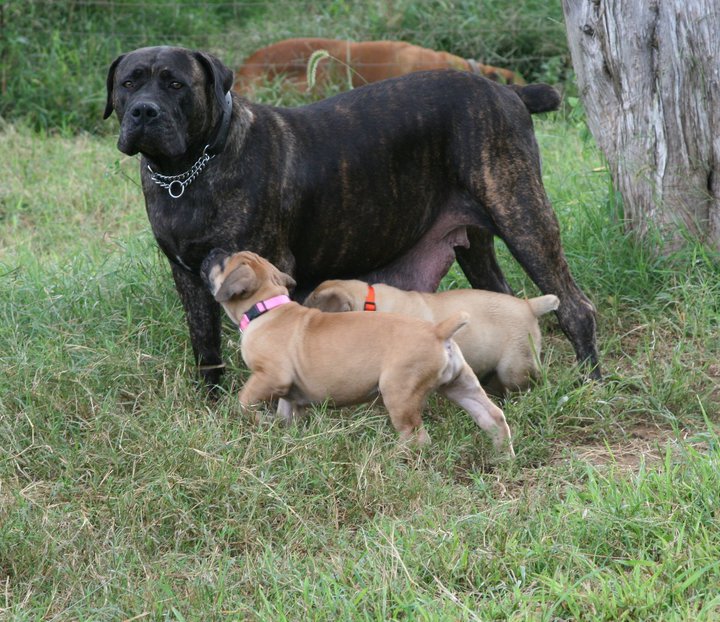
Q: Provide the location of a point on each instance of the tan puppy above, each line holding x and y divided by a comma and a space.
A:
306, 356
501, 342
362, 61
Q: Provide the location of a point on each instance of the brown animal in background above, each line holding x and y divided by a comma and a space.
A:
362, 61
501, 342
304, 356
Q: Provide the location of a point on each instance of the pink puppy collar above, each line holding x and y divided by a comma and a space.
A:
262, 307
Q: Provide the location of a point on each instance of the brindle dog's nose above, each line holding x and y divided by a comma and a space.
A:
144, 112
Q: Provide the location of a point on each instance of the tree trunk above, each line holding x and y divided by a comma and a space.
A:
649, 77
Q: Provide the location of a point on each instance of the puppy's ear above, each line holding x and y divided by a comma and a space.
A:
284, 280
330, 299
242, 281
220, 77
110, 83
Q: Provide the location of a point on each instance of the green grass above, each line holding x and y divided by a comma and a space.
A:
124, 493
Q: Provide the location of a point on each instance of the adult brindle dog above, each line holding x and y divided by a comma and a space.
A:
382, 183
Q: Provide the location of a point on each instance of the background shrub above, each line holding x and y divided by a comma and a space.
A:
55, 54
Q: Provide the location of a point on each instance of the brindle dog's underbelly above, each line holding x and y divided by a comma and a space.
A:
423, 266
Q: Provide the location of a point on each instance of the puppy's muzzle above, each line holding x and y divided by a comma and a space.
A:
214, 257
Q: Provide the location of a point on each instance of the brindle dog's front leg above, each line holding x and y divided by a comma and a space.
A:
203, 316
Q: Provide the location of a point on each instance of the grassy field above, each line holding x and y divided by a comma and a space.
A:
126, 494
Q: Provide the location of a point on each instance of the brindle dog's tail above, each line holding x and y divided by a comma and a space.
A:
448, 327
537, 97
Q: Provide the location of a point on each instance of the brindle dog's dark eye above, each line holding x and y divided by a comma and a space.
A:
128, 84
175, 85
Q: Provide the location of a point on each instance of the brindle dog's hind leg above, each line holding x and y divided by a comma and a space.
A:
528, 225
479, 264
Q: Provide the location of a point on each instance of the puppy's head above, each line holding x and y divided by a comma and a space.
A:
240, 280
337, 296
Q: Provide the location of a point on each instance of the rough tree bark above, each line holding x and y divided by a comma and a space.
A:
649, 77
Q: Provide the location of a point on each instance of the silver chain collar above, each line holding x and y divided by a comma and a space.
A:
175, 184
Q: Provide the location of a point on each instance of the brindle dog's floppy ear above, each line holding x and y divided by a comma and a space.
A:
330, 299
110, 82
241, 281
220, 77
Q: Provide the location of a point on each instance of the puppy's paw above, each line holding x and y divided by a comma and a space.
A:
504, 452
415, 438
265, 417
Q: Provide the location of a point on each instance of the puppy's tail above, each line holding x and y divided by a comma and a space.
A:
447, 328
544, 304
537, 97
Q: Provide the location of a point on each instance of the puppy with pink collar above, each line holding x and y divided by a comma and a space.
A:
303, 356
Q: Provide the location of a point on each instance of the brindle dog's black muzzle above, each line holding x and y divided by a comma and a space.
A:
144, 112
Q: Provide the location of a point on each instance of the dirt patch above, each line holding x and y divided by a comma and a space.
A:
644, 444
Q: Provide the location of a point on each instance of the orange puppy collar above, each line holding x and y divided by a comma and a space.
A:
370, 300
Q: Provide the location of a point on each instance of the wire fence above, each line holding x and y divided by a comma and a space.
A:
127, 23
136, 22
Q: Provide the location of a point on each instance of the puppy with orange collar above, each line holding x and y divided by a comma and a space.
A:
501, 342
304, 356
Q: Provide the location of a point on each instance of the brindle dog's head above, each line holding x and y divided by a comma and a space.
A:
167, 99
240, 280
